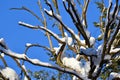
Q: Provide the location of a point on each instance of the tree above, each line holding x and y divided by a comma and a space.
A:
84, 61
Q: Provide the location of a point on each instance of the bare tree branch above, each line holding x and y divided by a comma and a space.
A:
76, 20
67, 28
3, 60
45, 24
42, 28
84, 11
38, 62
28, 10
113, 37
109, 22
22, 68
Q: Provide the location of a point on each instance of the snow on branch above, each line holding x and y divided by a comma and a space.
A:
110, 20
58, 18
113, 36
23, 68
29, 45
116, 50
2, 43
113, 75
27, 25
37, 62
42, 28
8, 74
77, 21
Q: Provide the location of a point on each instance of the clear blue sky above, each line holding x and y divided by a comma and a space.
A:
17, 36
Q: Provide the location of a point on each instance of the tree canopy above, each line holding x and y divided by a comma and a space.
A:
73, 51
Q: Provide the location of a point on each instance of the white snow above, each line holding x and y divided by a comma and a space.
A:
113, 75
28, 25
58, 16
81, 47
57, 48
48, 12
1, 40
72, 63
70, 40
9, 73
25, 78
99, 49
83, 23
35, 61
82, 42
114, 50
15, 54
100, 37
28, 44
77, 37
77, 56
2, 54
64, 0
23, 66
92, 41
81, 67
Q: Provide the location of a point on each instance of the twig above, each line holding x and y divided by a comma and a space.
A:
45, 24
28, 25
84, 11
67, 28
37, 45
22, 68
113, 37
3, 60
42, 28
39, 63
28, 10
76, 20
107, 27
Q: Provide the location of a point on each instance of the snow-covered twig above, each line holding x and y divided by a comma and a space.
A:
37, 62
52, 33
67, 28
113, 51
113, 37
29, 45
42, 28
84, 11
49, 4
8, 74
23, 69
2, 43
3, 60
109, 22
28, 25
45, 23
76, 20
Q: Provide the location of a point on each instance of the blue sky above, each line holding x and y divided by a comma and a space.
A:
17, 36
